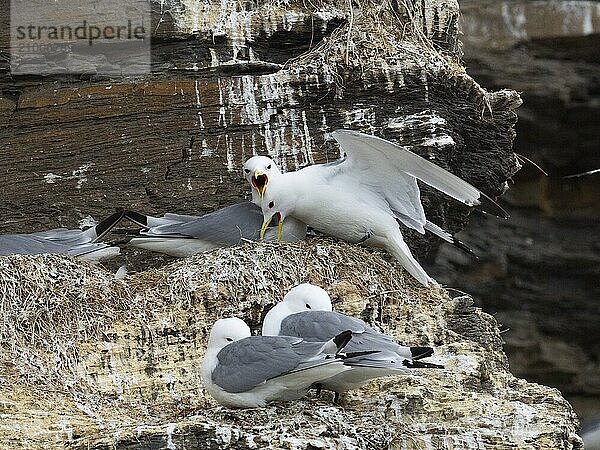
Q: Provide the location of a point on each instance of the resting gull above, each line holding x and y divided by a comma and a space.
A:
81, 244
244, 371
182, 235
185, 235
306, 312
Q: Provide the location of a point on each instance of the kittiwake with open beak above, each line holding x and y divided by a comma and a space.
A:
362, 197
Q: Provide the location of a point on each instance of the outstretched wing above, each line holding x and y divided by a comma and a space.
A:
360, 147
391, 171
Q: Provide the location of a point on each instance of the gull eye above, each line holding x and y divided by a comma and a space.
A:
269, 167
229, 339
271, 204
308, 306
247, 170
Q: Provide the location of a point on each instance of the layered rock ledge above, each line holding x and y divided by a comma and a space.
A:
88, 361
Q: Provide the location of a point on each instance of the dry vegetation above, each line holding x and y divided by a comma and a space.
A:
95, 361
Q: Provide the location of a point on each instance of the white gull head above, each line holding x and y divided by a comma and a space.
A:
304, 297
258, 171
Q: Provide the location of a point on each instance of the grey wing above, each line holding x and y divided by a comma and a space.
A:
93, 251
36, 243
173, 217
62, 236
249, 362
60, 240
383, 359
320, 326
400, 158
226, 226
76, 237
381, 173
390, 171
25, 244
372, 339
324, 325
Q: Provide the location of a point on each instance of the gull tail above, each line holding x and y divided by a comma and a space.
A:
421, 365
441, 233
399, 250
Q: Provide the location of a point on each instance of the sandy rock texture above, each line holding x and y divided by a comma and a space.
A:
88, 361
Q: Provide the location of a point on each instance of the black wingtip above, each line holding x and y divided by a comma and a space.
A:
342, 339
137, 218
109, 223
420, 365
359, 354
489, 206
464, 247
421, 352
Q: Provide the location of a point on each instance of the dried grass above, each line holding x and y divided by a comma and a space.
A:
50, 304
377, 36
68, 329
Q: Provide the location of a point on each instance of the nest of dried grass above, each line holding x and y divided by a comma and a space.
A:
101, 362
382, 37
51, 303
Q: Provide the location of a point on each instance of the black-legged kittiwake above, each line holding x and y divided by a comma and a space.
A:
244, 371
306, 312
83, 244
362, 196
258, 171
183, 235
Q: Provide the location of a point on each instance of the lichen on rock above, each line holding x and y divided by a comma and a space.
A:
91, 361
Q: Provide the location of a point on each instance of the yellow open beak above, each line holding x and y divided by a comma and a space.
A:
266, 223
259, 181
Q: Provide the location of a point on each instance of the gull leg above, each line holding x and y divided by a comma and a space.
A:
319, 388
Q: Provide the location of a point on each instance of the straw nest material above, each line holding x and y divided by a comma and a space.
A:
96, 362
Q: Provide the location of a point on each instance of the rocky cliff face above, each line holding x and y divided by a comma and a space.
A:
99, 363
539, 270
94, 362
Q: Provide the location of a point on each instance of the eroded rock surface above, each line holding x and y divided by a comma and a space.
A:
538, 273
93, 362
